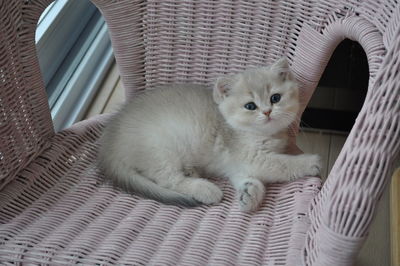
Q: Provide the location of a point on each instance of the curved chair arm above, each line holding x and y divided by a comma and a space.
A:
25, 120
342, 212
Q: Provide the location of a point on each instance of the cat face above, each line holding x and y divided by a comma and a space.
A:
263, 100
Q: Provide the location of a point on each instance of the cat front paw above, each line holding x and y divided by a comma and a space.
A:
251, 193
309, 165
314, 166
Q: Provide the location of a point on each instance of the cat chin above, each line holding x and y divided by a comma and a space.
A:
264, 130
273, 126
271, 131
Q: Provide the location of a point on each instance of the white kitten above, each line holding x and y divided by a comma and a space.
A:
165, 139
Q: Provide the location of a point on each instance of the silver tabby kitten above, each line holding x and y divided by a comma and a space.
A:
163, 141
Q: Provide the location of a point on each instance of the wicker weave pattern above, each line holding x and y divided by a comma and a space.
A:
25, 123
75, 218
57, 210
196, 41
343, 210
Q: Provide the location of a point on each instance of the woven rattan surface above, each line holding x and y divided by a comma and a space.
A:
74, 217
54, 207
25, 123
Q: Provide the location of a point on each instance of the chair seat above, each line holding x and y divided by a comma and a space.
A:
59, 211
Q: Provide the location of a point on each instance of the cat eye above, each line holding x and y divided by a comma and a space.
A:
275, 98
250, 106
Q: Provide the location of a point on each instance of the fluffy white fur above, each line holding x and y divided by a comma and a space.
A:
162, 142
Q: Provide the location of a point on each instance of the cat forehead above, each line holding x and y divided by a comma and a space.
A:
260, 85
262, 78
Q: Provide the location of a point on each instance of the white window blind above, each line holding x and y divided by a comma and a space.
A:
75, 53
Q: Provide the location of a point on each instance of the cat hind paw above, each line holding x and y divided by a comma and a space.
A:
206, 192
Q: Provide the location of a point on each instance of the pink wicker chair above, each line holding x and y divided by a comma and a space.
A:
55, 208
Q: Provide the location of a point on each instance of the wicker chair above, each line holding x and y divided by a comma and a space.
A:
54, 206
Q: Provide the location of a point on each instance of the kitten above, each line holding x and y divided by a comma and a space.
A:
162, 142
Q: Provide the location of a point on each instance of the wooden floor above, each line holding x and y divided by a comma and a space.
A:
376, 250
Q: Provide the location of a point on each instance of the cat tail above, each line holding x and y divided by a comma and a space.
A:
133, 182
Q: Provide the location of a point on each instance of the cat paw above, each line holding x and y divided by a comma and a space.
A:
313, 167
310, 166
251, 193
206, 192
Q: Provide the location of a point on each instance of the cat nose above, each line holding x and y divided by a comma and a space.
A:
267, 113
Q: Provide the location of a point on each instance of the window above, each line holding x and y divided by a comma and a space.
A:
75, 53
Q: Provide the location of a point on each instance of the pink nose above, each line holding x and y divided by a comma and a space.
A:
267, 113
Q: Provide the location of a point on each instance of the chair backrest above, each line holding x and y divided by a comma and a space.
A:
25, 122
159, 42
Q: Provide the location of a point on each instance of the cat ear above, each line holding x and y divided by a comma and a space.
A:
221, 88
282, 67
